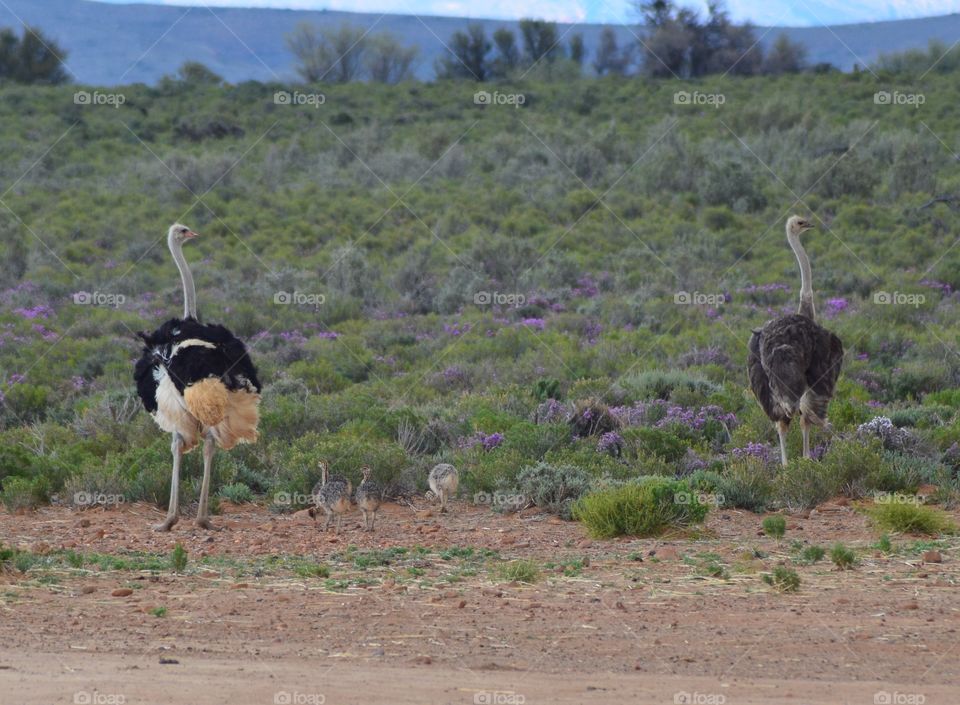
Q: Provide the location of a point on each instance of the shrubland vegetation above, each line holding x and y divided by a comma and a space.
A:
554, 297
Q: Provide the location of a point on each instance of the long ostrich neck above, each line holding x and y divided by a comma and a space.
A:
806, 278
189, 290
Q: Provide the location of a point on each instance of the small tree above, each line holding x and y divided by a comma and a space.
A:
610, 59
540, 40
577, 49
332, 55
196, 73
33, 58
508, 54
469, 60
388, 61
785, 56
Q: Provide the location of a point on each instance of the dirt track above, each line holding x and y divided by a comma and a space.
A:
607, 622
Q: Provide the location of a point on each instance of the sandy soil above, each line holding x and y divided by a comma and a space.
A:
640, 621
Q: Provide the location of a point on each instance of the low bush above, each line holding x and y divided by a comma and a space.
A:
910, 518
554, 488
647, 507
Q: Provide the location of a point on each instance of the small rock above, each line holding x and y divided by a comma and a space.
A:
423, 660
87, 589
121, 592
461, 604
83, 523
912, 605
239, 586
424, 514
932, 557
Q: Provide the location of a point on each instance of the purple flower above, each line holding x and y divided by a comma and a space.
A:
537, 323
611, 442
456, 329
552, 410
761, 451
835, 307
586, 287
38, 311
492, 441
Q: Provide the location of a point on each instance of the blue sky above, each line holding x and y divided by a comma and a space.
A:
763, 12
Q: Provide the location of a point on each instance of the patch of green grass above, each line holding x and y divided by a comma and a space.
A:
813, 554
415, 572
775, 526
312, 570
910, 518
645, 508
783, 579
178, 558
238, 493
884, 544
843, 557
24, 561
521, 571
378, 558
159, 611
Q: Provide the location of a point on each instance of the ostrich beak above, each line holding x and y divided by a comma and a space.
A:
190, 234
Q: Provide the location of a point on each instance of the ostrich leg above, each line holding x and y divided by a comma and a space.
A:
805, 427
782, 427
203, 516
176, 448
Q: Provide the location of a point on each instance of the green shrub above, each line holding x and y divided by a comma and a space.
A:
842, 557
657, 442
746, 483
592, 418
910, 518
554, 488
775, 526
665, 384
644, 508
24, 493
783, 579
813, 554
178, 558
238, 493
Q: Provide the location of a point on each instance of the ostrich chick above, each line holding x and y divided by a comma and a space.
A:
443, 481
332, 495
368, 498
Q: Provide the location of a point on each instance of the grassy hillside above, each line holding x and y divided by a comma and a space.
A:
596, 206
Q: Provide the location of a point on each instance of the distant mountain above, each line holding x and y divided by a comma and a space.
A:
111, 44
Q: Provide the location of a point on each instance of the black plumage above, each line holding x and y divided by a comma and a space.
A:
793, 365
228, 359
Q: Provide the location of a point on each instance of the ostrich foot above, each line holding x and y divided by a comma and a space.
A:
167, 523
205, 523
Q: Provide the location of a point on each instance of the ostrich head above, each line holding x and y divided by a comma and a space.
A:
366, 472
179, 234
798, 224
322, 464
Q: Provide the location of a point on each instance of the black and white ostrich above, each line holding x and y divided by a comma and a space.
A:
197, 381
794, 362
